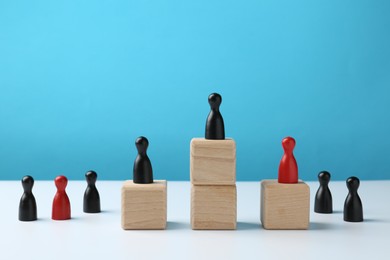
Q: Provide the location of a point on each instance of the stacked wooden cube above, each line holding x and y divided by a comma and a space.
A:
213, 184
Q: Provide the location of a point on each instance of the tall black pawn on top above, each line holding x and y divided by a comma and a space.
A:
142, 171
215, 128
323, 199
91, 194
353, 209
27, 205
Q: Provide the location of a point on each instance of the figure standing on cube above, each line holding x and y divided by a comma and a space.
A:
144, 200
285, 202
213, 174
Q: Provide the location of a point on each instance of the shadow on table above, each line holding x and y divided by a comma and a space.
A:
375, 220
321, 226
106, 212
41, 220
184, 225
177, 225
248, 226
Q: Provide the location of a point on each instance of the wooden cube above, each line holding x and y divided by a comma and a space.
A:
213, 207
213, 162
285, 206
144, 206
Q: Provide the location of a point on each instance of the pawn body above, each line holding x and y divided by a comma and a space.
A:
215, 128
323, 200
91, 202
27, 204
288, 168
61, 203
353, 208
142, 170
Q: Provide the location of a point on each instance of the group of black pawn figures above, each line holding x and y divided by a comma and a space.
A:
353, 209
142, 173
61, 203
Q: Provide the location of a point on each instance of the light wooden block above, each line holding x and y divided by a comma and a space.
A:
285, 206
144, 206
213, 207
213, 162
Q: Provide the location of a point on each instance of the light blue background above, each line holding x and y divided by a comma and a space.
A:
80, 80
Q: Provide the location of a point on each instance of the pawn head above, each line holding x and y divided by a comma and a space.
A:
215, 100
353, 183
61, 182
142, 144
91, 177
27, 183
288, 143
324, 177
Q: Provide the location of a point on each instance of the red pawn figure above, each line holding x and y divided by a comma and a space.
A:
288, 168
61, 203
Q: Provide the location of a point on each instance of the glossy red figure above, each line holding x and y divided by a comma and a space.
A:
61, 203
288, 168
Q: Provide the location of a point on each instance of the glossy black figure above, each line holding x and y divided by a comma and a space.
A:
91, 195
27, 205
142, 171
353, 208
215, 128
323, 200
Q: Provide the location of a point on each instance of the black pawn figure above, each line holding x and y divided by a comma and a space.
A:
142, 171
91, 194
323, 200
27, 205
215, 128
353, 209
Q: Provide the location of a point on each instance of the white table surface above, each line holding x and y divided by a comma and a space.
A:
100, 236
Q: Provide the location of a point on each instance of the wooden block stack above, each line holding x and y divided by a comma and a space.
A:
213, 174
213, 184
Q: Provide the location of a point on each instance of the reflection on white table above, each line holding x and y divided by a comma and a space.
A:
99, 236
